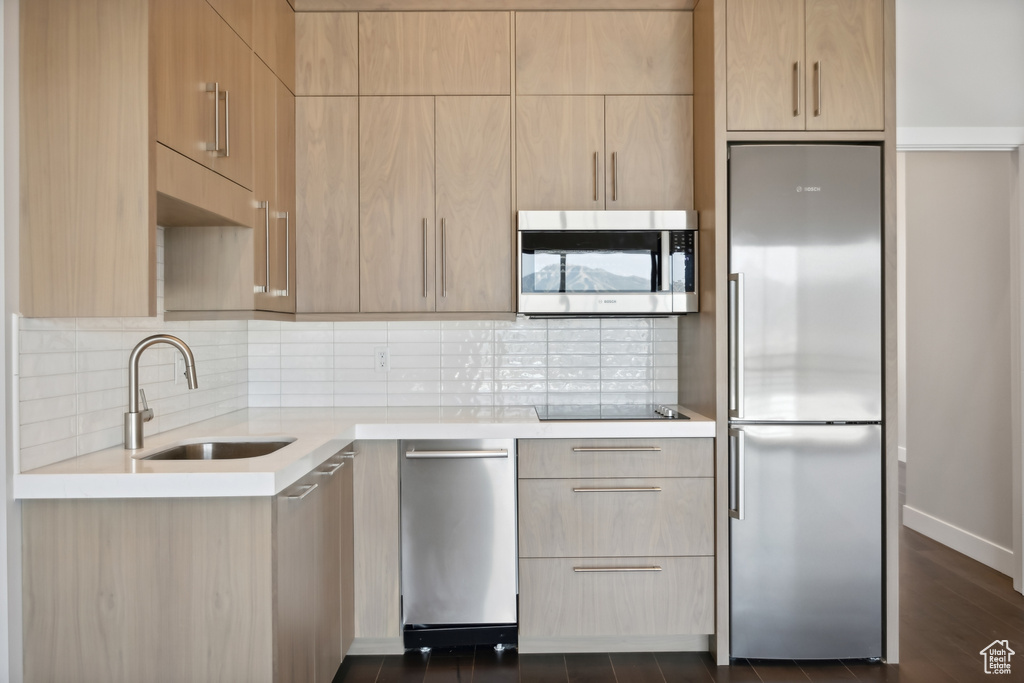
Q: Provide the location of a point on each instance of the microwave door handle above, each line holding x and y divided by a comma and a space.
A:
666, 262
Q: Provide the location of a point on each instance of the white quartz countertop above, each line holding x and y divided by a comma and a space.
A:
319, 433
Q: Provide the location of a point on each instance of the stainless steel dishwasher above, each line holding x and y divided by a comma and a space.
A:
459, 552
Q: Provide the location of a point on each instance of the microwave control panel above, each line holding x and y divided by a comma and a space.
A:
683, 251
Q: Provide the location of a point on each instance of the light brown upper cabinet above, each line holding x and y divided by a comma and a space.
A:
203, 84
274, 225
238, 14
804, 65
434, 53
616, 152
604, 53
327, 183
431, 242
274, 38
325, 53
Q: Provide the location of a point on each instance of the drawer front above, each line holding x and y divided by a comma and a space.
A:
556, 598
578, 458
616, 517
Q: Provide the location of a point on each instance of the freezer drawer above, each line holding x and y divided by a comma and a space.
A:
458, 532
806, 541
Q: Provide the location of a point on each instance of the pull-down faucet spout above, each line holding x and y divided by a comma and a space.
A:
134, 418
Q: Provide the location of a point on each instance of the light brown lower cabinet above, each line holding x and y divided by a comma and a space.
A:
191, 589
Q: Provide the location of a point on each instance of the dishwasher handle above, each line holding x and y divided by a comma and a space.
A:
495, 453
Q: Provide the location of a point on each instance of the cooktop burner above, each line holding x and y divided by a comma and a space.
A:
638, 411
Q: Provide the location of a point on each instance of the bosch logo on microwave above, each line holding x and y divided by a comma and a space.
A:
808, 188
609, 301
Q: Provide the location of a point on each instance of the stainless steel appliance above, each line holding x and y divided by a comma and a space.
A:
805, 401
607, 262
459, 552
594, 411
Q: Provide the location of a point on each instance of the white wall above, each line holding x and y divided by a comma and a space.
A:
959, 74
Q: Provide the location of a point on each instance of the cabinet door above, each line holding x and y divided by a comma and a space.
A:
649, 152
604, 53
347, 551
765, 65
326, 49
434, 53
184, 110
327, 227
560, 152
296, 511
284, 249
844, 65
274, 38
474, 204
238, 15
396, 204
328, 571
231, 69
265, 180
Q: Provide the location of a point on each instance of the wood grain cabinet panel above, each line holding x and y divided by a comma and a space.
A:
604, 53
845, 65
605, 458
616, 517
804, 65
326, 53
233, 60
327, 211
649, 152
238, 15
560, 152
396, 204
295, 586
434, 53
274, 38
473, 204
555, 600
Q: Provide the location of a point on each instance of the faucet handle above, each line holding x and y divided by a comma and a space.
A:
147, 412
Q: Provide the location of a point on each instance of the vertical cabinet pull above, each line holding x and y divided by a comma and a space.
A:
817, 88
424, 258
444, 261
736, 479
615, 176
735, 295
265, 207
796, 89
595, 176
287, 253
214, 146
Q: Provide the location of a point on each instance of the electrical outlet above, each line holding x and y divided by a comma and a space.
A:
381, 360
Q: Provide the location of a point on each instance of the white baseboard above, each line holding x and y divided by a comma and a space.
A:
614, 644
901, 453
974, 547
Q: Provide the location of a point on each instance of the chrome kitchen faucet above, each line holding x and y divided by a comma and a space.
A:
134, 418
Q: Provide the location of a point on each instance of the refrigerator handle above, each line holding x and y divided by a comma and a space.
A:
736, 346
736, 468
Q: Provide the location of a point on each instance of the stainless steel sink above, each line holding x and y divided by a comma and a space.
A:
218, 450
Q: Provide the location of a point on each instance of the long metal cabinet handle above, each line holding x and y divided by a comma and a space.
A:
615, 176
265, 206
330, 473
796, 88
227, 123
582, 570
287, 252
666, 261
595, 176
424, 258
817, 88
309, 490
215, 89
496, 453
736, 345
444, 261
736, 474
616, 489
618, 449
349, 454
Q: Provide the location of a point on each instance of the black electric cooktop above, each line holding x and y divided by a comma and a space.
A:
638, 411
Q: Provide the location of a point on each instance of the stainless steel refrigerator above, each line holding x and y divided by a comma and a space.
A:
805, 401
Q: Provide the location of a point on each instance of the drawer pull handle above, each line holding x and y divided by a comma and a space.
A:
349, 454
333, 468
496, 453
619, 449
309, 490
616, 489
583, 570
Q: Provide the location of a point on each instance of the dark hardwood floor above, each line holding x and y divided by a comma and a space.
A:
950, 608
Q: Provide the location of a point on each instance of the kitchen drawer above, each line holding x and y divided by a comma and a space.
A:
616, 517
577, 458
555, 599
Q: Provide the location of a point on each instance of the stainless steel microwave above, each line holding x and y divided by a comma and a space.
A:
597, 263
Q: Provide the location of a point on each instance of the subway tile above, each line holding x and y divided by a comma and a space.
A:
48, 386
267, 375
101, 324
48, 431
264, 362
521, 348
264, 337
626, 348
101, 360
264, 350
46, 324
358, 388
47, 341
535, 334
413, 325
360, 400
425, 387
573, 324
265, 401
461, 336
99, 420
358, 375
634, 361
417, 399
325, 400
574, 386
626, 386
467, 325
307, 374
574, 373
522, 373
40, 364
521, 386
265, 388
469, 373
520, 399
666, 347
319, 336
627, 323
470, 387
413, 375
521, 361
627, 335
627, 373
308, 349
575, 335
398, 358
107, 438
631, 398
361, 336
574, 348
47, 409
573, 399
103, 399
456, 399
467, 348
468, 362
